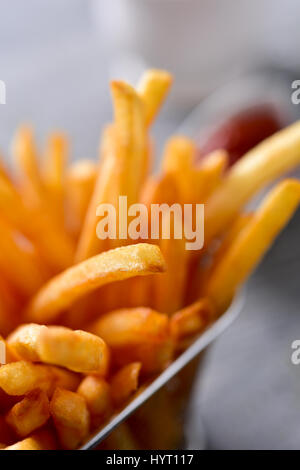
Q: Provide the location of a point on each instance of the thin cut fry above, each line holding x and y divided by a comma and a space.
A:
267, 161
25, 153
153, 88
121, 263
252, 242
80, 182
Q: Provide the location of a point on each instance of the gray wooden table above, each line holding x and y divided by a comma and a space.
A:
56, 73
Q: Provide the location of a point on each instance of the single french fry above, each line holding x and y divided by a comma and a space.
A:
261, 165
24, 341
29, 177
97, 394
125, 382
138, 334
153, 88
178, 159
76, 350
80, 182
89, 244
43, 439
21, 377
191, 319
54, 172
121, 263
253, 241
71, 417
127, 327
30, 413
169, 287
209, 174
17, 250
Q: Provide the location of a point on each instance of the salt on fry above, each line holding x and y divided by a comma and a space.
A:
121, 263
252, 242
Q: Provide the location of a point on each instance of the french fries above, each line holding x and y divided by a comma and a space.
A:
115, 265
138, 305
261, 165
97, 393
125, 382
71, 417
30, 413
153, 88
252, 242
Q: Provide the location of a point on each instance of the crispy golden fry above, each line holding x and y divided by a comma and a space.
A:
131, 326
76, 350
97, 394
71, 417
89, 244
268, 160
29, 414
24, 341
54, 173
178, 159
252, 243
138, 334
80, 182
125, 382
29, 177
153, 88
17, 250
131, 139
19, 378
191, 319
121, 263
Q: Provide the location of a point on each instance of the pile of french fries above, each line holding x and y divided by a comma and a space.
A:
88, 322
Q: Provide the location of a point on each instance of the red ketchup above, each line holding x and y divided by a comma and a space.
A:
241, 131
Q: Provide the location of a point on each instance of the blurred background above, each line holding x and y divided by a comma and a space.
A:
56, 58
